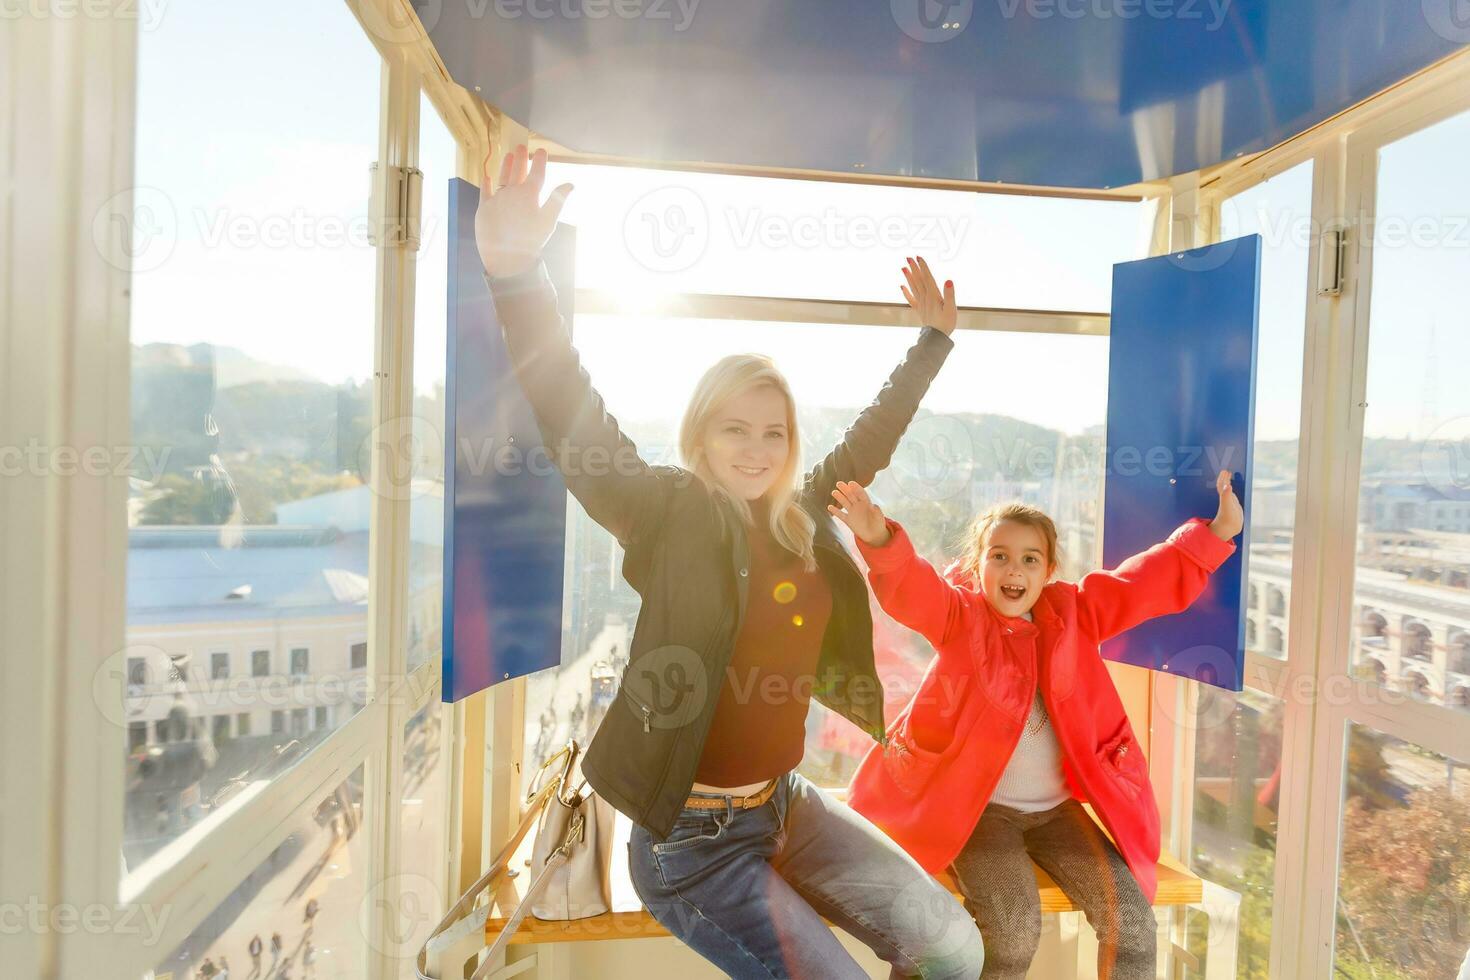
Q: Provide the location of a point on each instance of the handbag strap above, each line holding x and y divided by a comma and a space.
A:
576, 833
462, 916
556, 860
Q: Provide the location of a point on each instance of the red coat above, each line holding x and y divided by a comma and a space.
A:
947, 749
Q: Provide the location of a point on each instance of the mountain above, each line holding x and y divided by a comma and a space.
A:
230, 365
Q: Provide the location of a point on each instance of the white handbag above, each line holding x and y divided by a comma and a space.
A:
571, 863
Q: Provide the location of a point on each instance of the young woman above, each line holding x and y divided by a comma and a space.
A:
1017, 722
750, 607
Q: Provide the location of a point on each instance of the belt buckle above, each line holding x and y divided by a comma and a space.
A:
748, 802
756, 799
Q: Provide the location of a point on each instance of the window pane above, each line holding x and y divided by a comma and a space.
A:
1412, 592
437, 154
301, 904
1237, 780
661, 231
1280, 211
1403, 889
424, 854
252, 323
970, 446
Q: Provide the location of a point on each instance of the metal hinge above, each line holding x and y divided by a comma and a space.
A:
394, 205
1331, 262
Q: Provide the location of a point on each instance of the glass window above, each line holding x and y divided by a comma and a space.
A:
252, 324
1280, 211
242, 723
300, 659
1237, 784
219, 666
1403, 890
438, 153
296, 914
358, 656
663, 231
1411, 613
424, 854
970, 445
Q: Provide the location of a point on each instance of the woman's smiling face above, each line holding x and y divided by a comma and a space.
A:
746, 442
1015, 567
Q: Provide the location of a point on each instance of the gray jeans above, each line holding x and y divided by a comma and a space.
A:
995, 876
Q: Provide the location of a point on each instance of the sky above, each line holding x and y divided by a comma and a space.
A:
257, 184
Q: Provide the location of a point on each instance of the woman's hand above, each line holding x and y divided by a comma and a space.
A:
1229, 518
858, 512
936, 309
511, 223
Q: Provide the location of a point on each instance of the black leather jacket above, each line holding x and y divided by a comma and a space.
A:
686, 555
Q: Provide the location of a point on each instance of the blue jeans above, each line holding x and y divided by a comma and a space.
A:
747, 890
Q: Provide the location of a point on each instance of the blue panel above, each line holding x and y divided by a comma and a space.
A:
1181, 397
1070, 93
504, 505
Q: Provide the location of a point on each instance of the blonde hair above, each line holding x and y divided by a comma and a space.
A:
790, 525
976, 535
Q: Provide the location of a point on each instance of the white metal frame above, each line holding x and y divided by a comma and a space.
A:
62, 335
1344, 156
1437, 728
66, 123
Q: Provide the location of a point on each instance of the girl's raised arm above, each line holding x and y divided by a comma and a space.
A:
1166, 578
908, 588
600, 464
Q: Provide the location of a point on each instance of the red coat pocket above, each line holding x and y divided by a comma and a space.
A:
1122, 757
909, 765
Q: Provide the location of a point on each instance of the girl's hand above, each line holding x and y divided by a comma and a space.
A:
1229, 519
936, 309
511, 223
858, 512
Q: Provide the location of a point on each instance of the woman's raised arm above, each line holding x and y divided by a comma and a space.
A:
600, 464
869, 443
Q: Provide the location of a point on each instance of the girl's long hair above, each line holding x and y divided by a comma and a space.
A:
790, 525
972, 559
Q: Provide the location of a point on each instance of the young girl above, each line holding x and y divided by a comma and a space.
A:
1017, 722
743, 580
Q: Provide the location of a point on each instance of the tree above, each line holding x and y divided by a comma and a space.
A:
1404, 894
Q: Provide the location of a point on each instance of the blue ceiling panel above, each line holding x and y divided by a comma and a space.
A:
1067, 93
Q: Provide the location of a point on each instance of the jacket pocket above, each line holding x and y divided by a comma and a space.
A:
642, 712
1122, 758
909, 765
665, 690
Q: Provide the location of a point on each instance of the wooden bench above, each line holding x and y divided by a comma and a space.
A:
629, 920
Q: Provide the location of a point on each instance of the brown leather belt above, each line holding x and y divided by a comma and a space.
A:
739, 802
